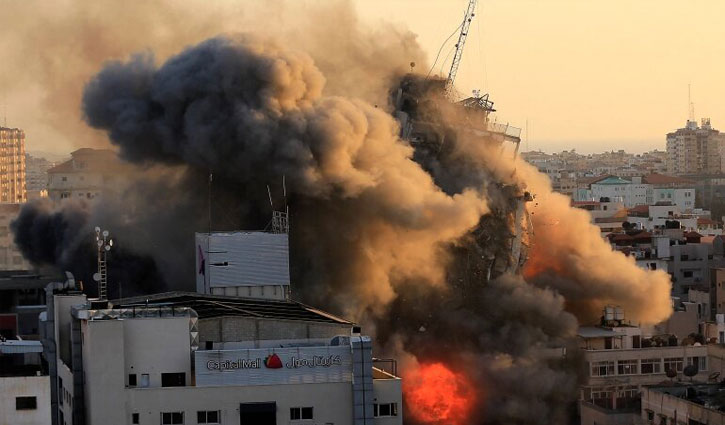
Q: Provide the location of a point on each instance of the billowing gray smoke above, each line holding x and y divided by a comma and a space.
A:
399, 244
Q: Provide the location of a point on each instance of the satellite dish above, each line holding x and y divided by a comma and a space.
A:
671, 373
105, 233
97, 277
100, 243
98, 229
110, 242
108, 247
690, 370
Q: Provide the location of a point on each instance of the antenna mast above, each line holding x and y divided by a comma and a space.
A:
104, 244
467, 18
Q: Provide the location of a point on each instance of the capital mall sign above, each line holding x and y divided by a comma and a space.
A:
274, 362
273, 366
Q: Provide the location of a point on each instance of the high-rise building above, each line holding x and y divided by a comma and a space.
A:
695, 150
12, 165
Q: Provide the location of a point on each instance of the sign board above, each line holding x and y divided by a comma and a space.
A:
273, 366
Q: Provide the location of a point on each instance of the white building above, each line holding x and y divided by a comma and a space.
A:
24, 385
184, 358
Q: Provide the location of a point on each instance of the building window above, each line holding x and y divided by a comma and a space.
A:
687, 273
26, 403
601, 393
134, 418
173, 379
627, 367
64, 178
132, 380
385, 410
144, 380
651, 366
297, 413
60, 390
207, 417
700, 362
602, 368
673, 363
172, 418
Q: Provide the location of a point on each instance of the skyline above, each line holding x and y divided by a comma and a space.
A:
542, 63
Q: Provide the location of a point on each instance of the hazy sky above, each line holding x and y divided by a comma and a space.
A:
586, 74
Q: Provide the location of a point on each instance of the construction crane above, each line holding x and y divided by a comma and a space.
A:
467, 18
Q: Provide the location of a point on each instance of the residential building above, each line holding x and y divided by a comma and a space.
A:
622, 360
36, 176
12, 165
690, 403
10, 256
694, 150
88, 174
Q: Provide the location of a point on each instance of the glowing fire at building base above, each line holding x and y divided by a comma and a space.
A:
434, 394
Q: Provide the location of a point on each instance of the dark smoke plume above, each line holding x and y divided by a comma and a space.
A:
413, 243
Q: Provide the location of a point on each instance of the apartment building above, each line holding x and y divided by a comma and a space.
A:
12, 165
621, 360
88, 174
694, 150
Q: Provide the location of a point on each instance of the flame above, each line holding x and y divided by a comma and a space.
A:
436, 395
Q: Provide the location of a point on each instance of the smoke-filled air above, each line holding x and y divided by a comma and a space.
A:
460, 261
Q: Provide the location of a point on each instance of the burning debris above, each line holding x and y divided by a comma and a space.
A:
410, 218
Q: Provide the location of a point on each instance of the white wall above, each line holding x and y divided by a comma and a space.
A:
389, 391
155, 346
34, 386
331, 403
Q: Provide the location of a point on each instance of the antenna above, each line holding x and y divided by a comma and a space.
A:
527, 135
690, 105
104, 243
269, 193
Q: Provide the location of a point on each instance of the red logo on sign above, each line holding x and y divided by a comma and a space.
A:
273, 362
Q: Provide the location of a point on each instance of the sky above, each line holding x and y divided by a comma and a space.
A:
591, 75
586, 75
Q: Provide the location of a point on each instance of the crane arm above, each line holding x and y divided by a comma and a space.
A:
467, 18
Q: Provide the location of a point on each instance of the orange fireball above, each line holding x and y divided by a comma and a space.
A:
434, 394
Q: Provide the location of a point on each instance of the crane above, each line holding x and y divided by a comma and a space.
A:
467, 18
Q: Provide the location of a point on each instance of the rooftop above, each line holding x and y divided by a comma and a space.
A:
655, 178
207, 306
